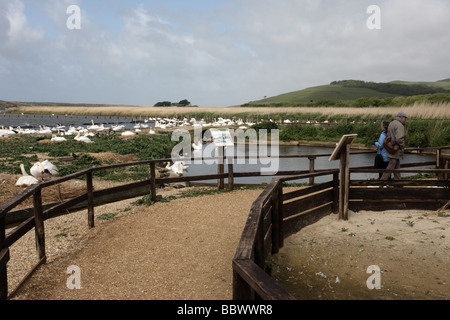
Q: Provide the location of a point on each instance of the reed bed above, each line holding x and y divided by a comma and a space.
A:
418, 110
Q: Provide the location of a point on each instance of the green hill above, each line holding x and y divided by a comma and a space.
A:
349, 90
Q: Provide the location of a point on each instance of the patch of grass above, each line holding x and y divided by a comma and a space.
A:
107, 216
389, 238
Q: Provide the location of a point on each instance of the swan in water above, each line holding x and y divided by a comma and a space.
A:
25, 180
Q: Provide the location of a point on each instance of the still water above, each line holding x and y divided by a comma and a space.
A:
33, 121
287, 164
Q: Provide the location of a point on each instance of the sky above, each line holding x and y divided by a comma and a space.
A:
215, 53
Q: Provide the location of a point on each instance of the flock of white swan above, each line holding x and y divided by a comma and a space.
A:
39, 172
45, 169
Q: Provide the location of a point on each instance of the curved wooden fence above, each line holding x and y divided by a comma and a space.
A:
276, 215
264, 233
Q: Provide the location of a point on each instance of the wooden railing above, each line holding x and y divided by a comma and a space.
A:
35, 217
276, 215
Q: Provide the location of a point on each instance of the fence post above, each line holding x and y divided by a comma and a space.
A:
311, 168
39, 224
335, 206
276, 228
230, 174
90, 199
152, 181
4, 258
220, 167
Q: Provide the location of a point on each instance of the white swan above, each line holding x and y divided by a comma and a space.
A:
37, 170
81, 138
55, 138
25, 180
151, 131
178, 167
128, 133
50, 167
197, 145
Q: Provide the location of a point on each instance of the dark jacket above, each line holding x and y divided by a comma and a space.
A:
396, 131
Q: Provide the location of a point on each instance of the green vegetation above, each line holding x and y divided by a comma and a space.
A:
419, 133
24, 149
357, 93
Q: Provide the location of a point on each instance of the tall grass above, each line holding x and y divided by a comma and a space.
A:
417, 110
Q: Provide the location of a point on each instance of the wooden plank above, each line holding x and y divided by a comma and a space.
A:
399, 193
307, 203
16, 200
263, 284
19, 231
294, 224
230, 175
276, 221
4, 258
418, 182
90, 199
39, 224
307, 190
382, 205
153, 181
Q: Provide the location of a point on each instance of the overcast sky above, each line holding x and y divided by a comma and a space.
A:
213, 52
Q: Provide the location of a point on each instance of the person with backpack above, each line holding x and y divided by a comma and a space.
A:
395, 145
381, 159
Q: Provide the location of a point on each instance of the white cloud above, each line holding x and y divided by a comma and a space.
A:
240, 51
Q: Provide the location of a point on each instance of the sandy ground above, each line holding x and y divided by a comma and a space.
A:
330, 259
171, 250
183, 250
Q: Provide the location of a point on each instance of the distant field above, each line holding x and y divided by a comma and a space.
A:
347, 92
328, 92
423, 111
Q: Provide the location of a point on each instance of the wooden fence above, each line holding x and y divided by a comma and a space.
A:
276, 215
269, 209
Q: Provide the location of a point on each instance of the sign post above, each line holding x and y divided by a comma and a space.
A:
222, 138
342, 152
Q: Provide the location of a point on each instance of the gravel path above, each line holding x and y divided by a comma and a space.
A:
180, 249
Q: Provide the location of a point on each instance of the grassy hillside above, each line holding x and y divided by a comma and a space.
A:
341, 93
325, 92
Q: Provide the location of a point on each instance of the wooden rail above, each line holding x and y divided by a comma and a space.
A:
272, 208
276, 215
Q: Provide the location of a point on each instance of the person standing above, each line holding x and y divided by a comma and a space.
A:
396, 131
382, 159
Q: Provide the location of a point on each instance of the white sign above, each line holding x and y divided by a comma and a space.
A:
222, 137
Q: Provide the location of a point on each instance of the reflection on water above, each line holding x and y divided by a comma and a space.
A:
288, 164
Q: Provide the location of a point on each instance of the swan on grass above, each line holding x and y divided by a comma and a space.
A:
56, 138
38, 171
178, 167
128, 133
25, 180
81, 138
49, 168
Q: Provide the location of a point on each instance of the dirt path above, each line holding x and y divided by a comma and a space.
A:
180, 249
